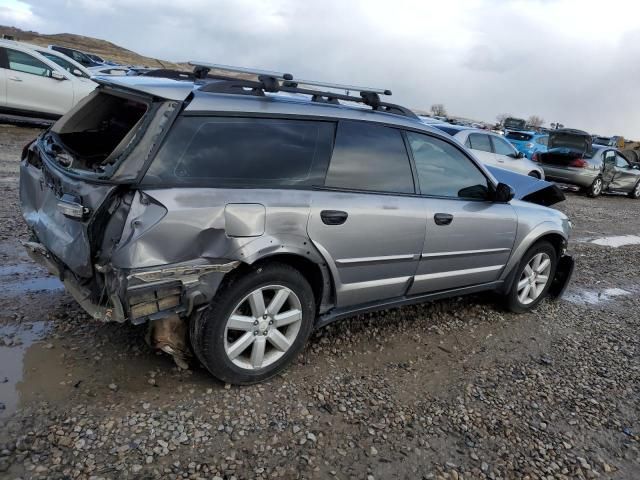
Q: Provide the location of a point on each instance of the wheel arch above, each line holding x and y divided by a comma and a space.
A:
546, 231
317, 275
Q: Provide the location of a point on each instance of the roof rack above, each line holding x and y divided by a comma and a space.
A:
269, 81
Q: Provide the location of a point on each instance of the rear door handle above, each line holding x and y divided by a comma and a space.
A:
15, 79
443, 218
333, 217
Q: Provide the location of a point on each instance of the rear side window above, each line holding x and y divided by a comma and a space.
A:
22, 62
369, 157
479, 141
244, 152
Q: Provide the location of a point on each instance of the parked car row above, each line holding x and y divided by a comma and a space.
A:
46, 82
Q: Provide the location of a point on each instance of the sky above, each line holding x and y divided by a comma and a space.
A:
568, 61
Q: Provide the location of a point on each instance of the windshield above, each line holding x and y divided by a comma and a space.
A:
602, 140
68, 66
523, 137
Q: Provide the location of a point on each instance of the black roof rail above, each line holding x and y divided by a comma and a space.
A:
169, 73
269, 81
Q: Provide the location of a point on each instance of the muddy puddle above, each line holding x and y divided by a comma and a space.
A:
15, 341
615, 241
595, 297
26, 278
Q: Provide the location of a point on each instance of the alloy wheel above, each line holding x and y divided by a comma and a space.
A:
597, 186
262, 327
534, 278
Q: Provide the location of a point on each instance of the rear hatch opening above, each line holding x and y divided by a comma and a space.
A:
95, 134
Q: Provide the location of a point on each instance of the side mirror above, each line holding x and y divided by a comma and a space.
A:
58, 75
503, 193
520, 155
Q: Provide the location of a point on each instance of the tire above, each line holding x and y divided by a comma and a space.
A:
595, 189
514, 298
534, 174
635, 193
230, 348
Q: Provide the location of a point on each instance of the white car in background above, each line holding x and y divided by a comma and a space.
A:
493, 149
34, 85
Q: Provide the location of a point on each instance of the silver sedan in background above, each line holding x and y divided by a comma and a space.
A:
573, 159
492, 149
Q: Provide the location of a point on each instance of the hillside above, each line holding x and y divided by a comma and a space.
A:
105, 49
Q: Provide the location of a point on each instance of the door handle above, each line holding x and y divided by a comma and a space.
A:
15, 79
333, 217
443, 218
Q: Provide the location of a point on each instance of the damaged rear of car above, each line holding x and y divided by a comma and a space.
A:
79, 197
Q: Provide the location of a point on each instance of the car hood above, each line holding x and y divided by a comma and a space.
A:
529, 189
570, 139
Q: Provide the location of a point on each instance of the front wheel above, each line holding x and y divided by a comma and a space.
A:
596, 188
533, 278
635, 193
256, 325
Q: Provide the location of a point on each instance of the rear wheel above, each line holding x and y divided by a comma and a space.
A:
533, 278
596, 188
256, 325
535, 174
635, 193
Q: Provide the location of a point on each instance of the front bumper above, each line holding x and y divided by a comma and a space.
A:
139, 295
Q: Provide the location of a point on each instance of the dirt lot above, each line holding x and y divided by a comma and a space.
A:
454, 389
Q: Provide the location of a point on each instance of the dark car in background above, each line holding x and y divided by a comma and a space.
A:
512, 123
81, 57
572, 158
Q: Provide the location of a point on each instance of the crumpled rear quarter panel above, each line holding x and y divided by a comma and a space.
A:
182, 224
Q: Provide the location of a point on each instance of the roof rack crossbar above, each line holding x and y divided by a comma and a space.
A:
283, 82
250, 71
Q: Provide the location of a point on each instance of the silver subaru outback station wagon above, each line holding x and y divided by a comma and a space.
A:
234, 214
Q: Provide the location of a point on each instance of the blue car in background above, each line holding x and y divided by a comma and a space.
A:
528, 142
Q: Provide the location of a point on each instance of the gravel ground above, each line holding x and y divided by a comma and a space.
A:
455, 389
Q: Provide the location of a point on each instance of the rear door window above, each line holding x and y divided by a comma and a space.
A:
23, 62
370, 157
244, 152
444, 171
479, 141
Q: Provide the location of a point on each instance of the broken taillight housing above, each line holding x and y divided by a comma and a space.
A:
25, 150
578, 163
